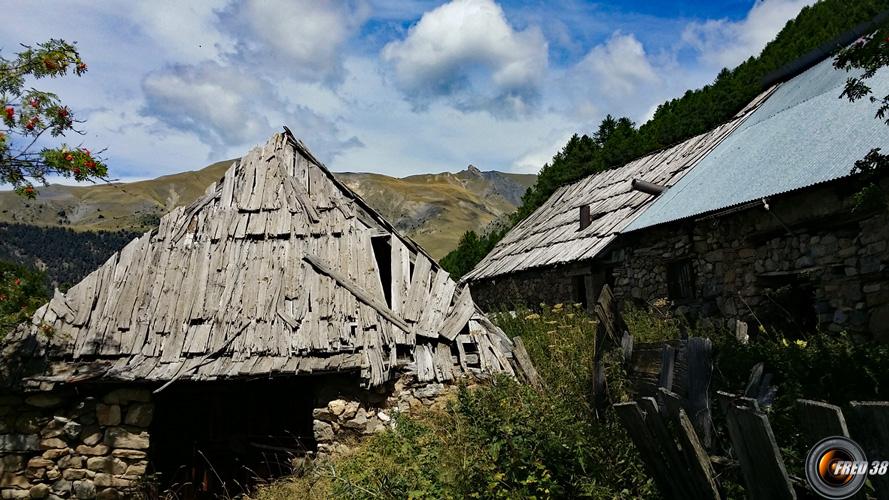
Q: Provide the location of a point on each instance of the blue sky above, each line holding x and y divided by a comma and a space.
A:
391, 86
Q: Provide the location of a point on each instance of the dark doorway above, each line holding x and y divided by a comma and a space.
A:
790, 305
382, 249
219, 438
579, 290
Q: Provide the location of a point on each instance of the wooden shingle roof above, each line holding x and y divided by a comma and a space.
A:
552, 235
278, 268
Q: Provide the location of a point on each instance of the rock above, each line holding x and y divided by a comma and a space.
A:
137, 469
62, 486
350, 410
39, 491
53, 474
140, 414
93, 438
8, 480
51, 443
40, 463
108, 415
337, 406
56, 453
127, 395
19, 442
323, 414
118, 437
108, 494
14, 494
110, 465
70, 462
99, 449
384, 417
84, 489
373, 426
106, 480
130, 454
44, 400
73, 474
70, 428
322, 431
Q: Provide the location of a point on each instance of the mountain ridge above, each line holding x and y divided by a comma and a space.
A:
434, 209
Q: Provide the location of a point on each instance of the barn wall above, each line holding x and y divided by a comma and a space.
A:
811, 254
538, 286
74, 445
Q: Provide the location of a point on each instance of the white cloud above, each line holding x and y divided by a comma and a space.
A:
219, 103
461, 47
189, 31
299, 38
618, 67
723, 43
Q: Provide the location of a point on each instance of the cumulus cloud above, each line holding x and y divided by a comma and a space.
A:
467, 51
618, 67
218, 103
189, 30
298, 38
723, 43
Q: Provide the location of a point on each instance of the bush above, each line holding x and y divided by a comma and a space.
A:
498, 440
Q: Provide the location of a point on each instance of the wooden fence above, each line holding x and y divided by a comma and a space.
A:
671, 422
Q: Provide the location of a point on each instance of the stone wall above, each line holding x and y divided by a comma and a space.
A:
65, 444
810, 245
531, 288
342, 419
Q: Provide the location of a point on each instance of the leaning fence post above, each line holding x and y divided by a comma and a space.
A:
633, 420
754, 443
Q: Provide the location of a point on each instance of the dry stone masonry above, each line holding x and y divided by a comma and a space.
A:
62, 444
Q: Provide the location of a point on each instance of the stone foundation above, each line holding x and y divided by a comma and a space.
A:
349, 416
71, 445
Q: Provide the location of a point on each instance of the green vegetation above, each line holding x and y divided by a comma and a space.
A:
697, 111
28, 114
505, 440
499, 440
22, 291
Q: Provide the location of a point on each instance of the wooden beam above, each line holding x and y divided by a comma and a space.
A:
359, 292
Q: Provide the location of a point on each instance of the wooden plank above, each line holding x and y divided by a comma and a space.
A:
695, 458
668, 357
460, 314
633, 420
520, 354
700, 369
400, 267
754, 443
419, 290
870, 428
359, 293
820, 420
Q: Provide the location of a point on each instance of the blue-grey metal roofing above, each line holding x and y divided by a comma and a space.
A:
804, 134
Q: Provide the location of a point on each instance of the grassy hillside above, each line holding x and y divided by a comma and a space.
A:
435, 209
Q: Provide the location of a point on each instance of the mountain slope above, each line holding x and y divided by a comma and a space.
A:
435, 209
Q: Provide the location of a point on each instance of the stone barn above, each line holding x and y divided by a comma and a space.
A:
276, 316
557, 254
752, 222
766, 227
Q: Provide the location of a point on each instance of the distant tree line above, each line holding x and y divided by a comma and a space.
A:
618, 140
65, 256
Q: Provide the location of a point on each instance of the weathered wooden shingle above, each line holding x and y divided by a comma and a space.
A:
272, 270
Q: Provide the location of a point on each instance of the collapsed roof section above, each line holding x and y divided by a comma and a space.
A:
277, 269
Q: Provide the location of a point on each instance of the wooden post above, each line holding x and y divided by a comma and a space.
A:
524, 362
754, 443
700, 369
626, 346
870, 429
820, 420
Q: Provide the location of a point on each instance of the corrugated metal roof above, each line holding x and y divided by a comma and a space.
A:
552, 234
802, 135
